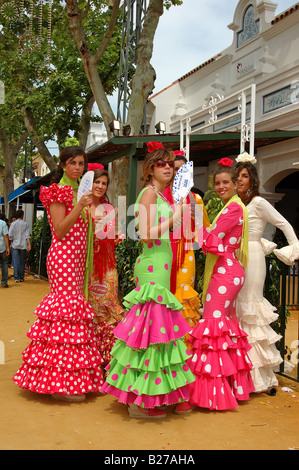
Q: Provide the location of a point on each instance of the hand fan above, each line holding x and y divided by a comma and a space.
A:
183, 182
86, 184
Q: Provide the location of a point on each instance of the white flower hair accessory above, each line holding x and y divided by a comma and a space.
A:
245, 157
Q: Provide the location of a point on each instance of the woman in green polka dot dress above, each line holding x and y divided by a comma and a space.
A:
148, 367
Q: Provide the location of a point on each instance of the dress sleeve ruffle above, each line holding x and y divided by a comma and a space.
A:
212, 243
288, 254
55, 193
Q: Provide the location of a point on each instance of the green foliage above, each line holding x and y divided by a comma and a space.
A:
126, 253
35, 256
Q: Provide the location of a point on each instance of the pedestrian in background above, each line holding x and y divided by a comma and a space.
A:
20, 243
4, 251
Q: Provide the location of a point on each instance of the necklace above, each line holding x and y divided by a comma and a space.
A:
160, 194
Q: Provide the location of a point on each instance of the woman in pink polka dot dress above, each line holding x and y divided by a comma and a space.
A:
149, 369
63, 359
219, 346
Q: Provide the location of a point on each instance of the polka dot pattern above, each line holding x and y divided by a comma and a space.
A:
63, 357
220, 361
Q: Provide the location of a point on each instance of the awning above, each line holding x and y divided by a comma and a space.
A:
203, 147
1, 201
23, 193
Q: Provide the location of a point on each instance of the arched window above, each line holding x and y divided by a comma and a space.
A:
251, 27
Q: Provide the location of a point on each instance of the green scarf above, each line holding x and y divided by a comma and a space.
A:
242, 252
65, 181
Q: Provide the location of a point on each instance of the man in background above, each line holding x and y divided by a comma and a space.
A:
4, 251
20, 236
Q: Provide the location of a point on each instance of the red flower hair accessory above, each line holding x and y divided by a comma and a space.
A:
225, 162
180, 153
95, 166
152, 146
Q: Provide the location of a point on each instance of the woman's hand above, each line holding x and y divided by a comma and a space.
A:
85, 200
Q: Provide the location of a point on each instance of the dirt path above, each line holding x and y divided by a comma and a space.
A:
30, 421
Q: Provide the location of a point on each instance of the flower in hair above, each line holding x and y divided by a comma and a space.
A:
179, 153
225, 162
152, 146
244, 157
95, 166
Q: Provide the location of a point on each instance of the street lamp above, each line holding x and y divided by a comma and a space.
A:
114, 127
160, 127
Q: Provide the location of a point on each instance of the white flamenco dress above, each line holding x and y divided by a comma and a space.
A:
254, 312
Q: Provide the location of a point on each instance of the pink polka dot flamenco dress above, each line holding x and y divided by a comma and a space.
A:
149, 367
63, 358
219, 346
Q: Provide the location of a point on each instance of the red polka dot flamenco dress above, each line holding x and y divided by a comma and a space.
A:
62, 357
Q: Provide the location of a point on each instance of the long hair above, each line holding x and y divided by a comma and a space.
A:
101, 172
254, 188
150, 161
65, 154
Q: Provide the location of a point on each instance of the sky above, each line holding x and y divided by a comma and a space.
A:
192, 33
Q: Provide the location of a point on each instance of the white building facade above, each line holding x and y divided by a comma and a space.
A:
264, 52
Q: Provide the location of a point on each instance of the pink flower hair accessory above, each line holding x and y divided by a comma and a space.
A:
225, 162
95, 166
153, 145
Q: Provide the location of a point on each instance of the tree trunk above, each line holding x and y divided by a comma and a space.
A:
142, 83
39, 144
10, 153
74, 16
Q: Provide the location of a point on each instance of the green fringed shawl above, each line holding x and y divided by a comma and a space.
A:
242, 252
65, 181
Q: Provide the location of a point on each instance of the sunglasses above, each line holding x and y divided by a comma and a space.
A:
163, 163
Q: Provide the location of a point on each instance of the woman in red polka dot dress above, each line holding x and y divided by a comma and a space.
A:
219, 346
63, 359
148, 367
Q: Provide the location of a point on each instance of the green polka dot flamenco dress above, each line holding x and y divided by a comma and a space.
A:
149, 359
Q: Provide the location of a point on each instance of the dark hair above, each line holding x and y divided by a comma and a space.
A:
19, 214
254, 189
66, 154
151, 159
230, 170
180, 157
101, 172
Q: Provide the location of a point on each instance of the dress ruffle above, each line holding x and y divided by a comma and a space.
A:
151, 323
64, 307
62, 357
188, 297
151, 291
55, 193
59, 381
149, 359
221, 364
255, 318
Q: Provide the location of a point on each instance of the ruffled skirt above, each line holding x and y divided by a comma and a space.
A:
220, 363
62, 357
149, 366
255, 315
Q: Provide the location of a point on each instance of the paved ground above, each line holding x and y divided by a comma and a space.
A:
31, 422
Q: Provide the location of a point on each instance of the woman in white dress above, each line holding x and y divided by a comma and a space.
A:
254, 312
